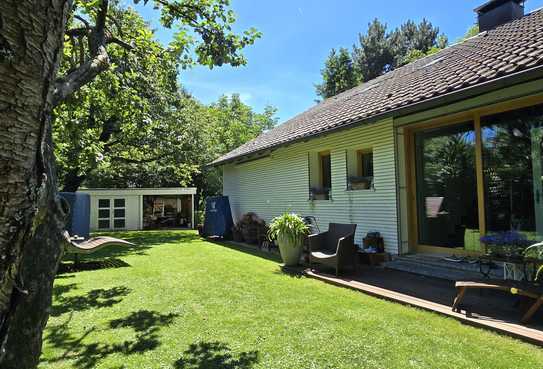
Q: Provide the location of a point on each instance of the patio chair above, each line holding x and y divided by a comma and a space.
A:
334, 248
78, 245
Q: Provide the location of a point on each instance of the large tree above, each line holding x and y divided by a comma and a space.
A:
378, 51
339, 74
31, 214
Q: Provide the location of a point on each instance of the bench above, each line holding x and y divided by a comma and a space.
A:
513, 287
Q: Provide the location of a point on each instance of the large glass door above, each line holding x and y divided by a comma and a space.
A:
446, 187
512, 166
479, 176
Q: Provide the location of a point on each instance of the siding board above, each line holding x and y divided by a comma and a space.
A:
280, 182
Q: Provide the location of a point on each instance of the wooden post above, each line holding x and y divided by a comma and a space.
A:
192, 202
479, 174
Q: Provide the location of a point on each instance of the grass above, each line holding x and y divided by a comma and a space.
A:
176, 301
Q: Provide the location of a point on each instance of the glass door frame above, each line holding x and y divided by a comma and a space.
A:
473, 116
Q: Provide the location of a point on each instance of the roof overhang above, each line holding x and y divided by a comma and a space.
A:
139, 191
435, 102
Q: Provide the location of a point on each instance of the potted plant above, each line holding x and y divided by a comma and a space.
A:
508, 245
289, 230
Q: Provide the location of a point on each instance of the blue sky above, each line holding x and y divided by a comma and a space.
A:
285, 63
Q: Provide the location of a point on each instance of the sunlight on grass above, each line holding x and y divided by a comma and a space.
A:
178, 301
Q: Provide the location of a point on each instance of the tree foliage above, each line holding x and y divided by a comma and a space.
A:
378, 51
339, 74
133, 126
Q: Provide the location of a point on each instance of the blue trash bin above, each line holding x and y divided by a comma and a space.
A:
218, 218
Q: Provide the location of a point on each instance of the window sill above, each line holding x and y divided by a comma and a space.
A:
360, 190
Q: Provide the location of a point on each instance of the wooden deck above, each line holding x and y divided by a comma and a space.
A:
492, 310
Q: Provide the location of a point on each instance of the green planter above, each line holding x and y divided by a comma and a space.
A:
290, 249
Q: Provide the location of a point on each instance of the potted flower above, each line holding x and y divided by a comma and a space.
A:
289, 230
509, 244
509, 247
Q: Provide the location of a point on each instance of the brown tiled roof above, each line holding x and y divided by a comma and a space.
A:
510, 48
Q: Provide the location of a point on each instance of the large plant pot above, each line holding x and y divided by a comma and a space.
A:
290, 250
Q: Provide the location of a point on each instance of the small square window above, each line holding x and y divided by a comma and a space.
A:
119, 213
119, 203
103, 213
118, 223
103, 223
103, 203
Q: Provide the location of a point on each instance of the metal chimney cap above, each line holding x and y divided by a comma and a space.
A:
492, 4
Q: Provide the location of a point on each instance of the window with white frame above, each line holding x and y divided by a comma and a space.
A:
104, 213
119, 213
111, 213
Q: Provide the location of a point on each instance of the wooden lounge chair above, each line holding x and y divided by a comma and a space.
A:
334, 248
514, 287
77, 245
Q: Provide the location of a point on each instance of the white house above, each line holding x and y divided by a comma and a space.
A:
432, 155
141, 208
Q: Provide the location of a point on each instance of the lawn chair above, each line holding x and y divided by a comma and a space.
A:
78, 245
334, 248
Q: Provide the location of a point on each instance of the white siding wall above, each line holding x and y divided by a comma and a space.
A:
279, 183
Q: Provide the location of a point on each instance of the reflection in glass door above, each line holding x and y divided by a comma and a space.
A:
446, 187
512, 165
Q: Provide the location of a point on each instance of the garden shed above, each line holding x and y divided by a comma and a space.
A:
141, 208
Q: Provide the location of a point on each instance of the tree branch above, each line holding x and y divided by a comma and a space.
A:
99, 60
83, 20
67, 85
121, 43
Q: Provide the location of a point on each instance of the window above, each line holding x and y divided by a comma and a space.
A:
320, 175
446, 186
119, 214
360, 169
365, 164
104, 214
512, 168
109, 210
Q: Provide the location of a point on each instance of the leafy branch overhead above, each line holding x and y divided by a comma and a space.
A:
133, 125
204, 35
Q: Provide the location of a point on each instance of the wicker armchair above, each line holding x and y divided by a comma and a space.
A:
334, 248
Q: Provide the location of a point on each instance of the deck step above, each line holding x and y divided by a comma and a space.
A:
431, 266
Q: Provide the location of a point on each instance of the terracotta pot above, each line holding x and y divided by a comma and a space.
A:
290, 250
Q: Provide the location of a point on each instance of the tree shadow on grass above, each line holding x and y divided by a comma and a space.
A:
111, 263
146, 324
94, 299
215, 355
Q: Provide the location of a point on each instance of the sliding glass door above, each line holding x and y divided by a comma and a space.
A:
479, 176
512, 171
446, 186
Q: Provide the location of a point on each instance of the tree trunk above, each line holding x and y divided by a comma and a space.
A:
31, 38
72, 180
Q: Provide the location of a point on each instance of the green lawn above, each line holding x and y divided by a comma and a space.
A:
176, 301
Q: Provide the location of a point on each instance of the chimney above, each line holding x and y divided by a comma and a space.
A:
497, 12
